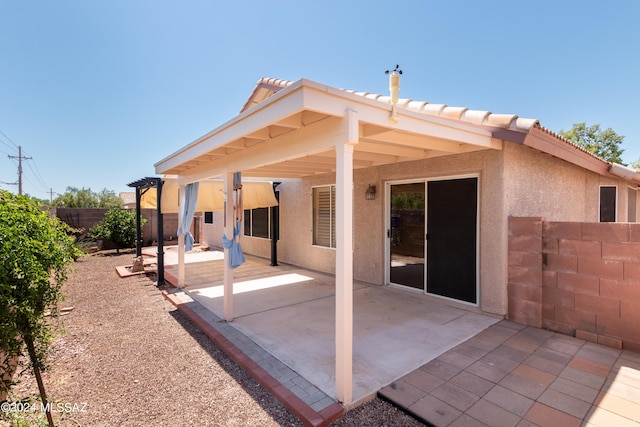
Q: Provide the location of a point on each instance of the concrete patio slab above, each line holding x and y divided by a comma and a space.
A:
290, 312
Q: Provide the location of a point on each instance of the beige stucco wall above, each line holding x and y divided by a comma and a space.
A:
516, 181
369, 216
540, 185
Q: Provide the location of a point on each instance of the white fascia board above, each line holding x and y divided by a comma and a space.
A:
310, 140
282, 104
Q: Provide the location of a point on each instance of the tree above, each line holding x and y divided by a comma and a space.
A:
85, 198
118, 226
605, 144
35, 252
636, 164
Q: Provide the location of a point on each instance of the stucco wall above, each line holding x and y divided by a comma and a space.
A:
540, 185
535, 184
369, 229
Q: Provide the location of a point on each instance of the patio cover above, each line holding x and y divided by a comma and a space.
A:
303, 128
256, 194
297, 129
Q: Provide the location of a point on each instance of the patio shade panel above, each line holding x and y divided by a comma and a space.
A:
211, 197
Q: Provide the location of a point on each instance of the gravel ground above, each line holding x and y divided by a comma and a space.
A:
124, 356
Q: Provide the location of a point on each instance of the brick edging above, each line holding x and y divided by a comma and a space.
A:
292, 402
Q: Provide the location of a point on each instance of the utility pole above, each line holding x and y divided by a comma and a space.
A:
20, 157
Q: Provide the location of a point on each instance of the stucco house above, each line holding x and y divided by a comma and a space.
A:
396, 193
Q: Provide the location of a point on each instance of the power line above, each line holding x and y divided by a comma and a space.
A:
8, 139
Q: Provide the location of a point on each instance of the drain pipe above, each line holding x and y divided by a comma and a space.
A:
630, 174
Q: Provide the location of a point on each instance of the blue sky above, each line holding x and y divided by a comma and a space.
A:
96, 92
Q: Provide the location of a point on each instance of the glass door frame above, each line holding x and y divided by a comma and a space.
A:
387, 226
387, 242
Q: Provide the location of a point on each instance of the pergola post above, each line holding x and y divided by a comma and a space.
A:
344, 260
138, 225
229, 224
181, 266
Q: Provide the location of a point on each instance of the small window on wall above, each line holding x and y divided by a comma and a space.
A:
256, 222
632, 205
608, 197
324, 216
208, 217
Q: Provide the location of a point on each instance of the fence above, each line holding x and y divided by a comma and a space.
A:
85, 218
580, 279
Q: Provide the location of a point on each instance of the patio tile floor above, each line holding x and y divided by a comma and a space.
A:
551, 379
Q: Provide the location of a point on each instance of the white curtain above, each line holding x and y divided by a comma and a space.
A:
190, 200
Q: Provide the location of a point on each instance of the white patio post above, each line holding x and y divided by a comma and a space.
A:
229, 224
344, 260
181, 266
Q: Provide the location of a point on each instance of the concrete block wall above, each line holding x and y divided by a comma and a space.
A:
586, 283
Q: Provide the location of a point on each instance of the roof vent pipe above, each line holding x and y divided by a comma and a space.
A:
394, 88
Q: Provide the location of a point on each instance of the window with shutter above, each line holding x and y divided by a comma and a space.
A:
324, 216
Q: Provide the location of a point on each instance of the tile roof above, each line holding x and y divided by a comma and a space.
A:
127, 197
510, 122
477, 117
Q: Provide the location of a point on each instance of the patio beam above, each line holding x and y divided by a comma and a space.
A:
344, 259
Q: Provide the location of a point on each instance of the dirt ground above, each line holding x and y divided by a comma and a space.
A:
124, 356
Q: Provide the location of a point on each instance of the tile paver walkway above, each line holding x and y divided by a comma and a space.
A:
514, 375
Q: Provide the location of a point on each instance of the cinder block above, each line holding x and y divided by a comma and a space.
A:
525, 292
610, 341
525, 243
548, 311
626, 290
587, 336
549, 279
614, 326
631, 345
630, 310
550, 245
579, 283
607, 269
558, 297
525, 225
567, 264
597, 304
562, 230
605, 231
634, 232
576, 318
631, 270
580, 248
531, 260
621, 251
524, 276
554, 325
525, 312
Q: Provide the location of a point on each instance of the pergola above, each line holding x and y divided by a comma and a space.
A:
142, 186
293, 130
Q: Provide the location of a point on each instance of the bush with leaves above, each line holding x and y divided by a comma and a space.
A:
118, 227
35, 252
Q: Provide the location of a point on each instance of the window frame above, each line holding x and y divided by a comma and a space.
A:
615, 203
315, 241
632, 210
249, 224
